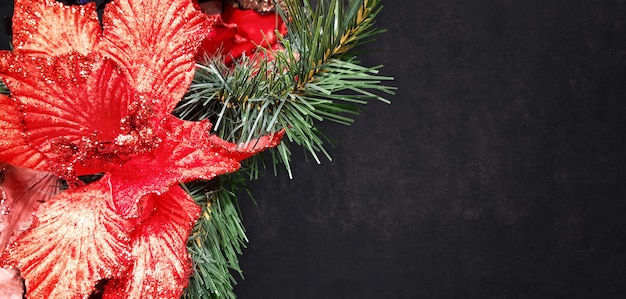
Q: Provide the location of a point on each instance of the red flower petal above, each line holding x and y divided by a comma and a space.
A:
186, 152
155, 41
10, 284
23, 190
49, 27
221, 39
68, 102
14, 148
161, 265
241, 31
254, 28
77, 240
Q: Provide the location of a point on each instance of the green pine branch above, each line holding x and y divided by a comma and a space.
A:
4, 89
337, 26
217, 238
315, 78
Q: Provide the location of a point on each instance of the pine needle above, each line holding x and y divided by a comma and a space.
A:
315, 78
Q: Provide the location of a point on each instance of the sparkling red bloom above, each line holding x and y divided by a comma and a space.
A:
241, 31
89, 100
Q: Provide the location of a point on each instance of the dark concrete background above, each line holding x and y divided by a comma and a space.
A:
497, 172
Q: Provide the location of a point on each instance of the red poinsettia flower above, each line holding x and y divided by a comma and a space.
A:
238, 31
88, 99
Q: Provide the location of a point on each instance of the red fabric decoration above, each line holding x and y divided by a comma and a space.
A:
86, 100
238, 31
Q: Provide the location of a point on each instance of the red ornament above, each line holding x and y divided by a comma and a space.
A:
86, 100
241, 31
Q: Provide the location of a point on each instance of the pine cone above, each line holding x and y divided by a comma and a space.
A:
258, 5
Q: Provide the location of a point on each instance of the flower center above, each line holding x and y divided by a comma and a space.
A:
93, 153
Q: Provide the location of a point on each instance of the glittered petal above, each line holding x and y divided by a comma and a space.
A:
155, 42
49, 27
77, 240
161, 265
70, 95
14, 148
187, 152
68, 99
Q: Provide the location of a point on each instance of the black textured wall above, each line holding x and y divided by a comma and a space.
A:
497, 172
6, 10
